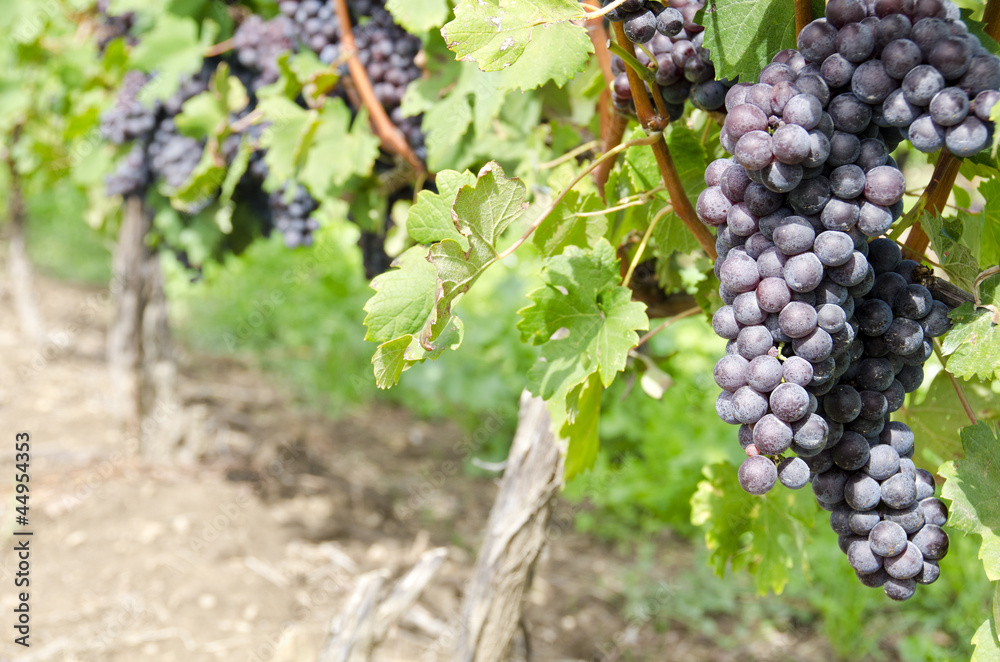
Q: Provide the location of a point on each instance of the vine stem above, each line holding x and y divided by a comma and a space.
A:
392, 138
803, 14
652, 120
642, 245
599, 38
648, 140
959, 391
220, 48
572, 154
690, 312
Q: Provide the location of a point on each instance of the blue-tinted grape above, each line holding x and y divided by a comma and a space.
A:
757, 475
967, 138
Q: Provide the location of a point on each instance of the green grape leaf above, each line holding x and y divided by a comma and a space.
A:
557, 53
390, 360
495, 34
946, 235
418, 16
353, 143
989, 224
584, 319
202, 116
563, 227
404, 297
481, 213
742, 35
937, 418
690, 157
973, 344
971, 486
410, 313
173, 49
472, 99
985, 642
287, 138
430, 219
580, 429
765, 535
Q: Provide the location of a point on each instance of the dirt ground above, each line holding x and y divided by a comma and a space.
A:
249, 551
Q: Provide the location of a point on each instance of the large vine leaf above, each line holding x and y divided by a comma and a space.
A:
743, 34
764, 535
418, 15
938, 417
497, 33
985, 642
973, 345
584, 319
973, 486
410, 313
565, 227
989, 225
946, 236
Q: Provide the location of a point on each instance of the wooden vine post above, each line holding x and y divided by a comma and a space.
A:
514, 539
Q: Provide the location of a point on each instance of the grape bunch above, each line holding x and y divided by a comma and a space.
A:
828, 328
683, 66
258, 43
159, 150
292, 217
915, 63
130, 118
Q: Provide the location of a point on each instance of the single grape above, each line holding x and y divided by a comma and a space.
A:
757, 475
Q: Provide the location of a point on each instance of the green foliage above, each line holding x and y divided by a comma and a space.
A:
972, 488
937, 416
763, 534
743, 34
584, 319
411, 311
531, 40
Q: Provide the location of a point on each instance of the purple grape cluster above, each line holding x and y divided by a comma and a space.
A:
827, 327
683, 66
159, 150
258, 44
915, 63
386, 50
292, 217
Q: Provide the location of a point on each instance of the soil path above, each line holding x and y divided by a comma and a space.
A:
248, 549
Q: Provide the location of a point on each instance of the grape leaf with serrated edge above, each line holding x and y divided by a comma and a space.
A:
583, 295
742, 35
972, 487
497, 33
777, 522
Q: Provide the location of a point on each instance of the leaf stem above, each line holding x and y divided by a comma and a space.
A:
690, 312
647, 74
648, 140
955, 385
803, 14
220, 48
668, 171
572, 154
597, 13
639, 200
642, 244
392, 138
